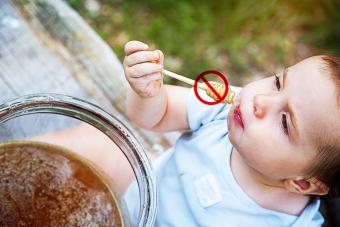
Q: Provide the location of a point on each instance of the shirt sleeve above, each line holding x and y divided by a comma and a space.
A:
199, 114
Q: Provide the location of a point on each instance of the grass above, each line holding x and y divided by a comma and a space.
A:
244, 39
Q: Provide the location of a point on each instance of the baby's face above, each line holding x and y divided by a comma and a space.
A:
282, 119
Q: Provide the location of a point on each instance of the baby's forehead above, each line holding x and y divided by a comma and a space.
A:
314, 96
327, 68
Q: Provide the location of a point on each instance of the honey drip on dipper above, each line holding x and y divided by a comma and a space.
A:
220, 88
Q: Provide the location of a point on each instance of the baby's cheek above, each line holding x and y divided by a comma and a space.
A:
267, 163
258, 143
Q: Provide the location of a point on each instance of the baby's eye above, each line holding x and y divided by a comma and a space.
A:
277, 82
284, 123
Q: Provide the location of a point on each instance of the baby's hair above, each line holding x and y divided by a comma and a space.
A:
327, 166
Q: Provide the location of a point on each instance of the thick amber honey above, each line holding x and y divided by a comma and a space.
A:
46, 185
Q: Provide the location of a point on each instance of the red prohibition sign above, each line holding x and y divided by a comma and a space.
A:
201, 77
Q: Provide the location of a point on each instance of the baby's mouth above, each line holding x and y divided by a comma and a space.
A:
238, 115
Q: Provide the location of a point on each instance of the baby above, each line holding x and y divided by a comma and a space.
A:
261, 162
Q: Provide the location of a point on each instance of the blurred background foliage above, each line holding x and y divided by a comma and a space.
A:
244, 39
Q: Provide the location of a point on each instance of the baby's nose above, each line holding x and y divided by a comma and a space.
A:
261, 104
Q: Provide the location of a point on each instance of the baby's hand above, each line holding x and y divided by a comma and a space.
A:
145, 77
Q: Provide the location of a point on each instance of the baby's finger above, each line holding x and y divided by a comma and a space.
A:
133, 46
144, 69
147, 78
161, 57
141, 56
154, 76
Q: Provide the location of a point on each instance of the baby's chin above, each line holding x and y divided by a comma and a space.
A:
235, 137
232, 140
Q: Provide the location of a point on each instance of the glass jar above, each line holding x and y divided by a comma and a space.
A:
30, 117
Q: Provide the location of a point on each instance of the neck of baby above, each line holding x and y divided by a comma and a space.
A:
268, 193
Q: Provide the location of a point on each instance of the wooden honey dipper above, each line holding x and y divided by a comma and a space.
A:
220, 88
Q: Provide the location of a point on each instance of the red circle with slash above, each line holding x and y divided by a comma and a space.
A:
219, 97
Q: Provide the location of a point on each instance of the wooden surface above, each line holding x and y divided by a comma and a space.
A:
45, 46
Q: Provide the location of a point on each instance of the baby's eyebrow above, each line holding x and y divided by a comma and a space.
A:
285, 71
294, 122
290, 110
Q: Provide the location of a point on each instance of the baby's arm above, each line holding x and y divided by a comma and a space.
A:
150, 104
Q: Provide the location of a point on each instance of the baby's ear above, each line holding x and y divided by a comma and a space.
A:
311, 186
